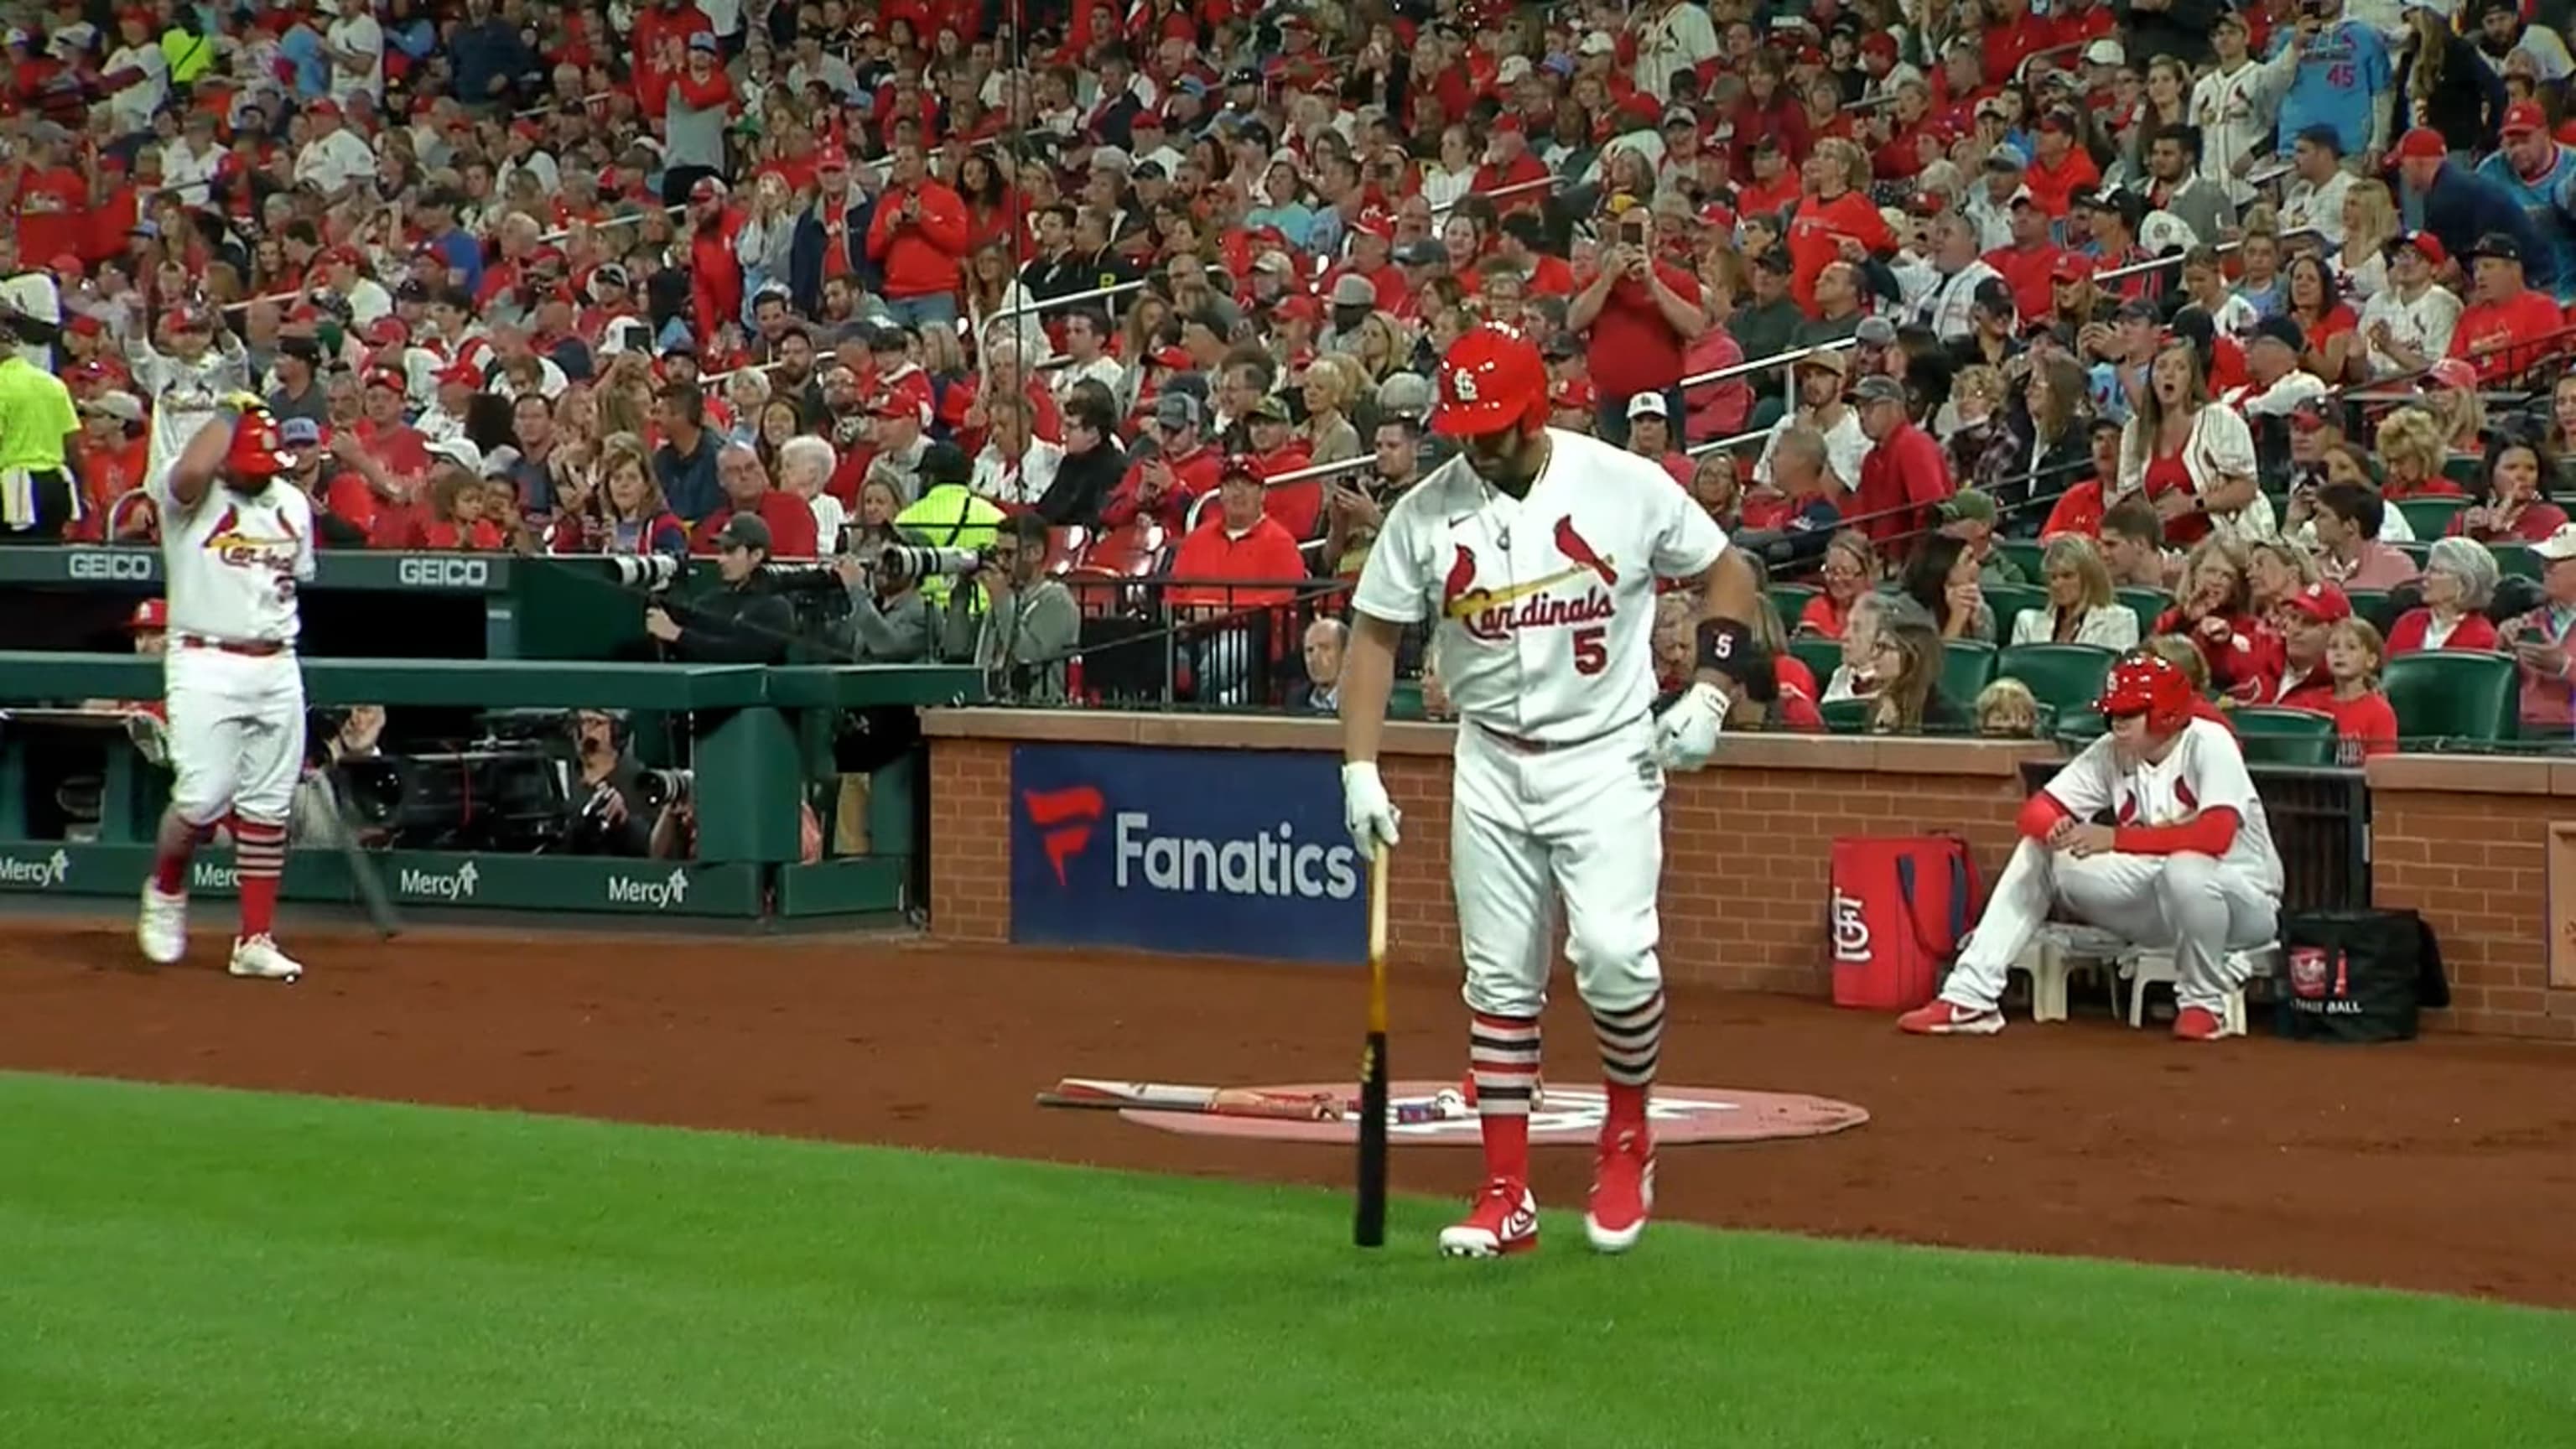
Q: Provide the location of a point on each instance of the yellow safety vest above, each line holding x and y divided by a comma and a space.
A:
950, 516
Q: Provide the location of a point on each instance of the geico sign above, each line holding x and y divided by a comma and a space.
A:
443, 573
96, 563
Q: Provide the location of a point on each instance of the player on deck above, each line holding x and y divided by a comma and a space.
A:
2190, 864
1534, 556
236, 541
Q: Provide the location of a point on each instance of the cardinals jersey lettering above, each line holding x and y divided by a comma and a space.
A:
1543, 607
235, 560
183, 394
2204, 771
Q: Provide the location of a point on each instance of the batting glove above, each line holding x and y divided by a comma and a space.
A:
1371, 816
1686, 735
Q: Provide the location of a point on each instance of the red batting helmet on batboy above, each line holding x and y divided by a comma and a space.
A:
1493, 379
2145, 684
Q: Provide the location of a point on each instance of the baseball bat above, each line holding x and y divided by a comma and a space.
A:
1368, 1226
1107, 1096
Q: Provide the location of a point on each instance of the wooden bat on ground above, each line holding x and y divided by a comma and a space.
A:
1107, 1096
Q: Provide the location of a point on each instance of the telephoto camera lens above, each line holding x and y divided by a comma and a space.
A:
657, 788
654, 571
915, 561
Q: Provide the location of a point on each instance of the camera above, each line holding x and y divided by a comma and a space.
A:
652, 572
804, 578
919, 561
657, 788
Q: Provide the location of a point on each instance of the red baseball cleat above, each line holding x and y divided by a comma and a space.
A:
1948, 1018
1503, 1221
1623, 1190
2199, 1023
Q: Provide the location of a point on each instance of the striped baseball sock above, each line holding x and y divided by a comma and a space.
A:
259, 851
1503, 1053
1630, 1040
173, 848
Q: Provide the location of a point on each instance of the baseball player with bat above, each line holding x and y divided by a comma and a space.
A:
236, 541
1534, 556
2189, 865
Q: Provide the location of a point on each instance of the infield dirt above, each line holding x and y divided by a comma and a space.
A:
2446, 1165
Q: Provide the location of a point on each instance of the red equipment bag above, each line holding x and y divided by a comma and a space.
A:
1899, 908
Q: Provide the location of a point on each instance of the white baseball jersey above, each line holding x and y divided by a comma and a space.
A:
2204, 771
183, 394
1545, 604
233, 563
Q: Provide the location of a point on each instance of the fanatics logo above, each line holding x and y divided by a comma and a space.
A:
1064, 819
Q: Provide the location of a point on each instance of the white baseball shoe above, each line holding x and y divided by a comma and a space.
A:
258, 956
162, 929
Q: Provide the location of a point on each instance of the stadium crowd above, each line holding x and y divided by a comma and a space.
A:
1927, 302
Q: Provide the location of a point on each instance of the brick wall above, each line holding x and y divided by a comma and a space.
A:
2467, 842
1745, 841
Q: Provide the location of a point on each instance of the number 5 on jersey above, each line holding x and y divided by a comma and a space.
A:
1591, 649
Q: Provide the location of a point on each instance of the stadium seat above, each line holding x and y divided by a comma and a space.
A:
1821, 656
2514, 560
2455, 694
2076, 728
2024, 554
1847, 716
2430, 518
2006, 601
2148, 604
2275, 736
1791, 601
2066, 676
1128, 551
1064, 547
2374, 605
2465, 469
1966, 666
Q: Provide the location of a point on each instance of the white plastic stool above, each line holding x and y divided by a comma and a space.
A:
2056, 951
2146, 964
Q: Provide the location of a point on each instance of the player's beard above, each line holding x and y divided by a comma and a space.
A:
1513, 468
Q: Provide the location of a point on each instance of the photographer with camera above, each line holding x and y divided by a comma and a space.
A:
889, 620
617, 796
948, 515
744, 622
1029, 624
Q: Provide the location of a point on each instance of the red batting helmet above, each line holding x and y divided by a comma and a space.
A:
258, 451
1493, 379
2145, 684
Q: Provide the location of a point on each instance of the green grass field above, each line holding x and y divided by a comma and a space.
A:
196, 1268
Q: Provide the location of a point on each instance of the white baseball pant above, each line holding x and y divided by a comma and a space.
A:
2188, 902
236, 734
1526, 826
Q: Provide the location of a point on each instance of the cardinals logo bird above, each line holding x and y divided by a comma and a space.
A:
1580, 553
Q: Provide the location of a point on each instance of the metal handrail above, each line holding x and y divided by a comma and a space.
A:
1759, 365
1068, 299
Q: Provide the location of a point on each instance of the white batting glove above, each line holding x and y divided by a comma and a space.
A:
1371, 816
1686, 735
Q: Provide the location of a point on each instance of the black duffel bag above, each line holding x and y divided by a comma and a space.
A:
2356, 975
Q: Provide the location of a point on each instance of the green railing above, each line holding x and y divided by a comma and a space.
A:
758, 738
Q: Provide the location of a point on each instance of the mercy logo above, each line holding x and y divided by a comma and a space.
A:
1266, 864
36, 875
456, 885
1064, 819
661, 895
208, 876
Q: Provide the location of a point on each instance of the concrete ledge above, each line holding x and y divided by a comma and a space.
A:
2473, 774
1854, 753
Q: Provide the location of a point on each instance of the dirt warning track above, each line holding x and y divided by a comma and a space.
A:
2445, 1165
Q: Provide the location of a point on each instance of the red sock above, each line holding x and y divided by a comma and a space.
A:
260, 852
173, 848
1627, 1104
1503, 1051
1506, 1144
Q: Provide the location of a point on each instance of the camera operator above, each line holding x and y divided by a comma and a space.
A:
1029, 624
744, 622
613, 817
889, 620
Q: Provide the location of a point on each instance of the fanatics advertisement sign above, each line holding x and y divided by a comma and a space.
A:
1214, 852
